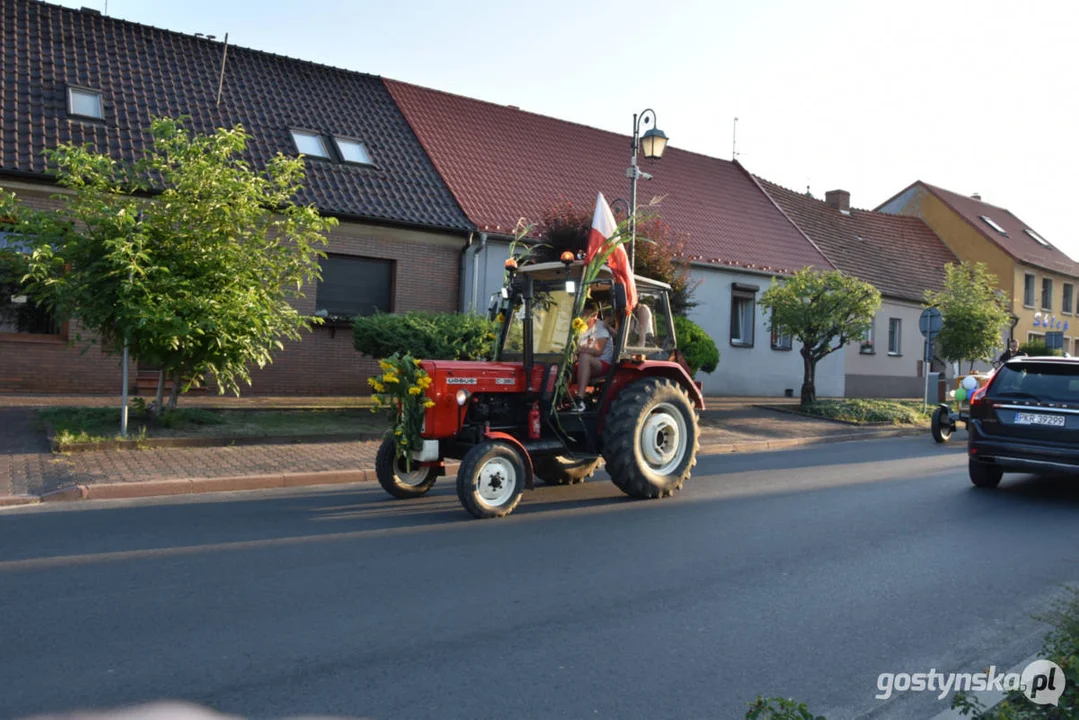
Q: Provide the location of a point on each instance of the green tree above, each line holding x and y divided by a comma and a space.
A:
973, 310
821, 310
190, 255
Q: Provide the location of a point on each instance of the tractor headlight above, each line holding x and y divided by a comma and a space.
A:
462, 397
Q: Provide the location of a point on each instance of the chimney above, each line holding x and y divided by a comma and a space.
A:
977, 196
839, 199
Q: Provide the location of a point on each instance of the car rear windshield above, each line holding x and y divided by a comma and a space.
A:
1043, 381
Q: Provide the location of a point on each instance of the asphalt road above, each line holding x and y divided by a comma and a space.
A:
803, 573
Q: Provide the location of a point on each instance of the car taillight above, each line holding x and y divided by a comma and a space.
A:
978, 395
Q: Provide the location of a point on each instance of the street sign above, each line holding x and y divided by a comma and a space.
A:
930, 322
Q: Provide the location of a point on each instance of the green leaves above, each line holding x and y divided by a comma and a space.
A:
201, 285
698, 347
973, 310
427, 335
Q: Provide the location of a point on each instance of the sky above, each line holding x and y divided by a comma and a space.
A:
865, 96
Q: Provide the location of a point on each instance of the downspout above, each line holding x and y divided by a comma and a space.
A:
462, 273
476, 270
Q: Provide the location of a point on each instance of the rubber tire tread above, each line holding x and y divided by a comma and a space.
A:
562, 470
627, 469
385, 470
983, 475
937, 426
466, 475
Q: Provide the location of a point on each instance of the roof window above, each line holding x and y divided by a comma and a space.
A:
85, 103
309, 143
352, 151
1036, 236
989, 221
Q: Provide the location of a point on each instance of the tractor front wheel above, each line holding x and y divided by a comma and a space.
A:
651, 438
395, 479
565, 470
941, 425
491, 479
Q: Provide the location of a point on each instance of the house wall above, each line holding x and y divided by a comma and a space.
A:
426, 277
883, 374
759, 370
1053, 319
485, 259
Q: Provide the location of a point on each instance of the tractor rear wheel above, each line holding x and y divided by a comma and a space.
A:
565, 470
941, 426
651, 438
395, 479
491, 479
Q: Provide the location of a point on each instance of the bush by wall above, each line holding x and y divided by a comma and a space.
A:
425, 335
699, 349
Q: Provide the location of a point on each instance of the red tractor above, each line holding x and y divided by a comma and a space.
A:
512, 419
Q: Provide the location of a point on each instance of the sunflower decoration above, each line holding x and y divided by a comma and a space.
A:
400, 390
579, 325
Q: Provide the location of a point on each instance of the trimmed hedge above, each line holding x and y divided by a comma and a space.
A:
700, 351
426, 335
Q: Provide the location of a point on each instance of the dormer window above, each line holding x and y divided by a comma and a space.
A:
352, 151
989, 221
1037, 237
310, 143
84, 102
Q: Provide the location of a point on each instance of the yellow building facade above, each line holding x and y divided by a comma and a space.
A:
1039, 278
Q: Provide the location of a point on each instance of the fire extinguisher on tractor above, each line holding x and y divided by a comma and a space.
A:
534, 422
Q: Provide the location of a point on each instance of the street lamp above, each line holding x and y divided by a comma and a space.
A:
652, 145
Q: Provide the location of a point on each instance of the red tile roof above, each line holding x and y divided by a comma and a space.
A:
503, 164
1017, 243
901, 256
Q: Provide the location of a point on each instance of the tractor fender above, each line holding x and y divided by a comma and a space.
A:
530, 479
630, 372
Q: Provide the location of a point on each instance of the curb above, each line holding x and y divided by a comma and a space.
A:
163, 488
226, 441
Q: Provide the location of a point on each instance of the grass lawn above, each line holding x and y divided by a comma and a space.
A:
90, 425
895, 412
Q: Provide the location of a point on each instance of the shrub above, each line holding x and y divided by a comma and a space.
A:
425, 335
1035, 348
699, 349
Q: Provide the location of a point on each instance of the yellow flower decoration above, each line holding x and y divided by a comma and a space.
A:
500, 319
415, 390
579, 325
429, 403
399, 432
379, 387
490, 336
386, 367
417, 362
424, 382
390, 378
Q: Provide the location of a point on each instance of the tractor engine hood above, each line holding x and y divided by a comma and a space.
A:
449, 376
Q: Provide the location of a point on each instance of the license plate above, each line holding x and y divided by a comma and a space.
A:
1039, 419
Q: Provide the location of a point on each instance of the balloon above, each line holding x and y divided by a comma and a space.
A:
961, 394
970, 382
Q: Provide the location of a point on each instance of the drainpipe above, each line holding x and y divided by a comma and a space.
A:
462, 275
476, 270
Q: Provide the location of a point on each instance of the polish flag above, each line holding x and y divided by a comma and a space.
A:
603, 228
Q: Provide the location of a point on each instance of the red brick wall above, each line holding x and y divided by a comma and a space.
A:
426, 277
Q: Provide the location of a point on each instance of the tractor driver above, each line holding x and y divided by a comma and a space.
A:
596, 351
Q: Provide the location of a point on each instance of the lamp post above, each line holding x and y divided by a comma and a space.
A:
652, 144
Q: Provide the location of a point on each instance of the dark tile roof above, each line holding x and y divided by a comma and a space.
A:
503, 164
901, 256
144, 71
1017, 243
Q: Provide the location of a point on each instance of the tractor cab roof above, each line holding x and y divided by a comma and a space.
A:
556, 269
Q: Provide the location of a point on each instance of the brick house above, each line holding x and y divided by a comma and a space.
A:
900, 256
71, 76
502, 164
1038, 278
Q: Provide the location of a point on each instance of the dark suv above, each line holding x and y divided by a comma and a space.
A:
1026, 419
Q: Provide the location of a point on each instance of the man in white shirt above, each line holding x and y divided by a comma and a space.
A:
595, 352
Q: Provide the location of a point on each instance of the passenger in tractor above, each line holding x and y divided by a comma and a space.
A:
595, 352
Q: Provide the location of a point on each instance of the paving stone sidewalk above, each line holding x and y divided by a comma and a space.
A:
28, 468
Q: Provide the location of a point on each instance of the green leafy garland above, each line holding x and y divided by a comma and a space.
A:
400, 390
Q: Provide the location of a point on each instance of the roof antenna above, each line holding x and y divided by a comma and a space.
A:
734, 142
221, 81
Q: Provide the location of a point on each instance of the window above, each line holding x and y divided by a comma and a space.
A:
1036, 236
989, 221
743, 314
867, 347
895, 332
1066, 303
19, 314
86, 103
1028, 290
781, 342
352, 151
353, 286
1047, 293
309, 143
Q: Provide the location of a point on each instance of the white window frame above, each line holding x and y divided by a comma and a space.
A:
897, 336
73, 90
1033, 290
747, 294
868, 338
1047, 302
991, 223
1067, 307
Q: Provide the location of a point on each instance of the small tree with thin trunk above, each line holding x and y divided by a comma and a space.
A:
973, 311
821, 310
190, 256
